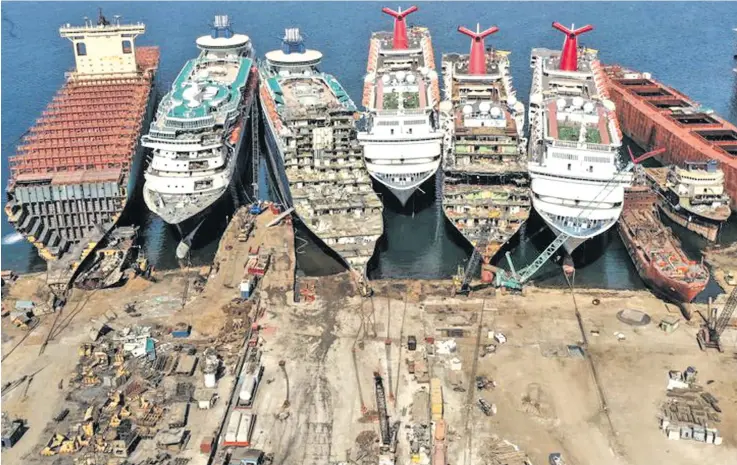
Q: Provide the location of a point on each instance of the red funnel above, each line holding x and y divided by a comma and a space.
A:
569, 57
477, 62
400, 26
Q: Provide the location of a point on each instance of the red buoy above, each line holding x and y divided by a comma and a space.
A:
400, 26
477, 62
569, 56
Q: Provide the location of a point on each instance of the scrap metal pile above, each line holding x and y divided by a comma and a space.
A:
131, 385
690, 412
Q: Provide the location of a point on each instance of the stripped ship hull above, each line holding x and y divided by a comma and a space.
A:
77, 168
310, 136
485, 186
655, 251
654, 115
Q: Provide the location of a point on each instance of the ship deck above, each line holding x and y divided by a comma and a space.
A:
657, 242
90, 125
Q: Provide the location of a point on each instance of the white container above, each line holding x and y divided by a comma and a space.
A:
243, 429
210, 381
232, 431
247, 388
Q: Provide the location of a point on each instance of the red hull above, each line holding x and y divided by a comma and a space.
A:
668, 287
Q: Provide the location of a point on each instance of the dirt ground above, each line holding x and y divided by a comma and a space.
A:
159, 303
327, 391
547, 400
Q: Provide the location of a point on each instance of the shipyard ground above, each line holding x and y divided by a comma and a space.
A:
547, 401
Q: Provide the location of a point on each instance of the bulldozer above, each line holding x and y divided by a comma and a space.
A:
52, 447
85, 350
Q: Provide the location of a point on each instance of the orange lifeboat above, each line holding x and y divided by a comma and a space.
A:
235, 135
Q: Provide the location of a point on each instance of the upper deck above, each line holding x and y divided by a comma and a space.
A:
575, 103
206, 92
482, 103
401, 79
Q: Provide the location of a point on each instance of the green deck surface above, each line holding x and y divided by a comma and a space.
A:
185, 79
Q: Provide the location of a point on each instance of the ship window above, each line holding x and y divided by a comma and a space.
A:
392, 131
569, 167
127, 46
81, 49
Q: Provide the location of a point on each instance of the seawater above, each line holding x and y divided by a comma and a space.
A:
418, 242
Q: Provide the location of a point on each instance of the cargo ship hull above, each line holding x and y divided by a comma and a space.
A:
705, 227
78, 166
654, 115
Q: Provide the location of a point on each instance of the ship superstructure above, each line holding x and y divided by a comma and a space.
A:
401, 138
75, 169
485, 188
200, 125
692, 196
311, 133
577, 184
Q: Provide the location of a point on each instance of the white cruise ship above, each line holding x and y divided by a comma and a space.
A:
401, 141
577, 183
199, 127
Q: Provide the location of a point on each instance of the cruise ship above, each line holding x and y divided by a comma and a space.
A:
198, 132
401, 138
311, 140
577, 182
486, 193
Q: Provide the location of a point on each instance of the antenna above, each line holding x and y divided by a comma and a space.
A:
101, 19
477, 62
400, 26
569, 56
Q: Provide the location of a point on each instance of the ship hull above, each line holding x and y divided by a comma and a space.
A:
240, 157
275, 158
705, 228
653, 127
500, 234
52, 237
403, 194
665, 286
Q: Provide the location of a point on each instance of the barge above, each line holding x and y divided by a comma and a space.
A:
656, 252
76, 168
653, 115
311, 137
486, 192
692, 196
